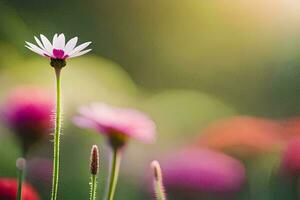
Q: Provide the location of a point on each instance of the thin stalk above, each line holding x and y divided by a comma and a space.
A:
56, 156
93, 186
21, 175
295, 183
114, 173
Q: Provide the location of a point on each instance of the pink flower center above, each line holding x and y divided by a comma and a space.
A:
58, 53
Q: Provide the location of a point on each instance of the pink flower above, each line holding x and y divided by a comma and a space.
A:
116, 123
27, 111
202, 170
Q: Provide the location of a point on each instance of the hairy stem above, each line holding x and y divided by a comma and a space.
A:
56, 156
93, 186
159, 191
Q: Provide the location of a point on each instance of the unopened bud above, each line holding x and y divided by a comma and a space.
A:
94, 165
156, 170
158, 181
21, 163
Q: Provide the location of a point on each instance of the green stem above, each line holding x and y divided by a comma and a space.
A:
21, 176
93, 187
56, 137
114, 173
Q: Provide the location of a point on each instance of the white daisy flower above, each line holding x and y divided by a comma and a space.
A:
59, 49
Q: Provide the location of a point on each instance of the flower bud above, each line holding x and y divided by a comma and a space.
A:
156, 170
158, 182
94, 165
21, 163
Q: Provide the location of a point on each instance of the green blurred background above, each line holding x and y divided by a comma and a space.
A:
186, 63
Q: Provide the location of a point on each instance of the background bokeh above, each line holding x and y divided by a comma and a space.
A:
197, 67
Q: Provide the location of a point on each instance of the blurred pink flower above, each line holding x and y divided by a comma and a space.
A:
27, 111
40, 170
291, 157
203, 170
115, 122
242, 135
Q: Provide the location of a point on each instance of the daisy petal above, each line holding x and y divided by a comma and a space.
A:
54, 41
80, 53
48, 46
33, 46
79, 48
39, 43
84, 123
40, 52
70, 45
60, 42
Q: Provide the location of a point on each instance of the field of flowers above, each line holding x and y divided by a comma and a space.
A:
138, 100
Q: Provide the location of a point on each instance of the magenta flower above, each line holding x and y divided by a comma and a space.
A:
27, 111
116, 123
202, 171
